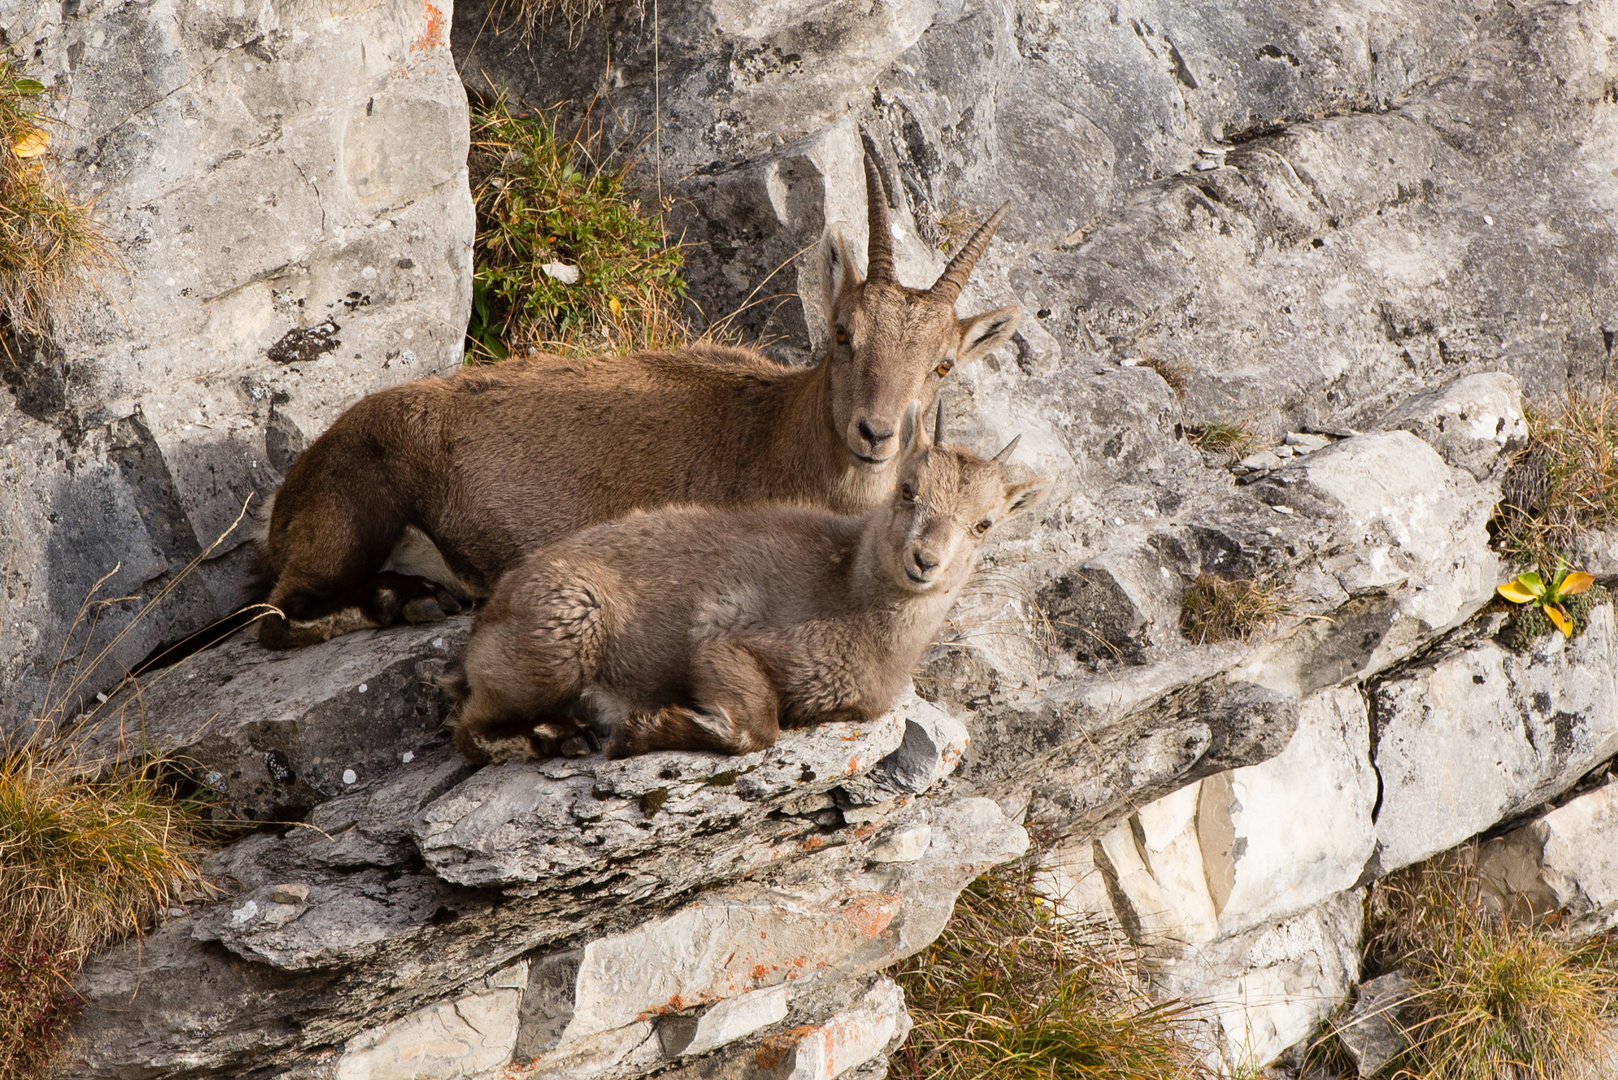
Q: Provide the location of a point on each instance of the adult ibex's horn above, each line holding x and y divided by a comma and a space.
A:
938, 424
1005, 451
953, 279
879, 248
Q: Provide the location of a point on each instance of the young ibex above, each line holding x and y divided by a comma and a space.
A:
691, 628
490, 463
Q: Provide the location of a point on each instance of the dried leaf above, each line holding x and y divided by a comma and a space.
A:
32, 143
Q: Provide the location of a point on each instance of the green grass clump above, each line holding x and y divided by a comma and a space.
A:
47, 241
1221, 438
1497, 999
1564, 482
83, 861
1008, 992
1216, 609
540, 201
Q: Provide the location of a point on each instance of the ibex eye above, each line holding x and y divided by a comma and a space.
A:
841, 335
945, 366
908, 492
982, 527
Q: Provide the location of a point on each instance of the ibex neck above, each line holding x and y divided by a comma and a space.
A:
809, 445
903, 622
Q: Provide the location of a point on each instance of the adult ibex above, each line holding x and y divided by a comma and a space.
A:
692, 628
490, 463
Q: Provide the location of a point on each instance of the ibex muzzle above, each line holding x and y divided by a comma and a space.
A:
420, 496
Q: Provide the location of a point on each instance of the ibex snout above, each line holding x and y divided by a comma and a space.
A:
921, 563
872, 443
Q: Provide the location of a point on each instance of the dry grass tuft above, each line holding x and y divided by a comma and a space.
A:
84, 860
1231, 441
529, 14
1009, 993
1564, 482
542, 202
48, 242
1497, 1000
1217, 609
1173, 373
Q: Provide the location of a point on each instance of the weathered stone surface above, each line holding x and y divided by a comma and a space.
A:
1472, 421
270, 734
473, 1034
1269, 988
1373, 1030
518, 823
1563, 861
1475, 733
288, 240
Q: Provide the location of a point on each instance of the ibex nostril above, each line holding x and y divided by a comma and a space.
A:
923, 561
873, 436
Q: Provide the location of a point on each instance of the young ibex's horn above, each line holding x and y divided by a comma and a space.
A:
1005, 451
938, 424
879, 248
953, 279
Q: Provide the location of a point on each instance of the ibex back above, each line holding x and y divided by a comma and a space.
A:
490, 463
691, 628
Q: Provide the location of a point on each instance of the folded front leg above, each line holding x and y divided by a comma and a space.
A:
736, 709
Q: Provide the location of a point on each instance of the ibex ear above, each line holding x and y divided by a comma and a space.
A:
982, 334
910, 433
838, 271
1029, 494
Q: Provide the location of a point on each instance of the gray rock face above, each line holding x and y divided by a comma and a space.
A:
1373, 1030
1470, 736
282, 251
271, 734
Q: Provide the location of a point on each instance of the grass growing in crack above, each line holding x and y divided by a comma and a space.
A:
1009, 993
1176, 376
84, 860
567, 260
48, 242
1564, 482
1217, 609
1224, 439
1497, 999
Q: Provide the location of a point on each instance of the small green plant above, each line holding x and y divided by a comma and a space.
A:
1217, 609
1495, 999
47, 241
1530, 588
566, 259
1225, 439
1564, 482
1010, 992
84, 860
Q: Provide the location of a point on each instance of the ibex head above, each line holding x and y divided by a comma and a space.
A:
891, 344
946, 503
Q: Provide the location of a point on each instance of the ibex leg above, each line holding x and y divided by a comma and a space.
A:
737, 709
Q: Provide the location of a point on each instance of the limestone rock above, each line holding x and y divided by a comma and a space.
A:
1475, 422
1373, 1031
523, 822
270, 734
471, 1035
289, 240
1474, 734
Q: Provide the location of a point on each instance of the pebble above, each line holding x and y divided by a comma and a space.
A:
1306, 443
294, 892
1260, 461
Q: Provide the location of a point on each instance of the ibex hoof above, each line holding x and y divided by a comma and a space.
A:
576, 746
423, 609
